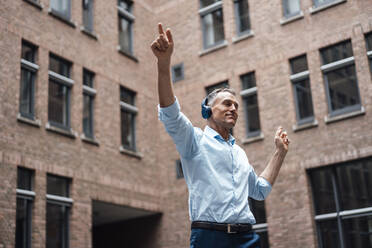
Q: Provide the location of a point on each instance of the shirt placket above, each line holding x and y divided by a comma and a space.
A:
233, 177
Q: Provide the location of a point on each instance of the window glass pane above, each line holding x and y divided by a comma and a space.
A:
26, 96
336, 52
355, 184
59, 66
298, 64
125, 34
125, 5
343, 90
57, 103
211, 88
291, 7
127, 96
88, 78
88, 14
28, 52
323, 192
57, 186
258, 210
252, 113
358, 232
304, 101
87, 115
205, 3
127, 121
369, 41
322, 2
61, 6
213, 28
248, 80
23, 223
328, 234
24, 178
56, 226
243, 15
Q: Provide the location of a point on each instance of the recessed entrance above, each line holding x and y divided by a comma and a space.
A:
117, 226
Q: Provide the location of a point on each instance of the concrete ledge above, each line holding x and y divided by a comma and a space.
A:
212, 49
128, 55
89, 140
88, 33
68, 133
61, 18
253, 139
130, 153
35, 122
317, 9
328, 119
286, 20
299, 127
36, 4
242, 37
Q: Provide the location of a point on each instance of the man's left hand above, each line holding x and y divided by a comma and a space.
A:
281, 140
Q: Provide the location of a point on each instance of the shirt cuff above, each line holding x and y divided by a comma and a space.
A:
170, 111
265, 186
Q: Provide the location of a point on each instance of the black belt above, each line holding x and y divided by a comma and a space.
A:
229, 228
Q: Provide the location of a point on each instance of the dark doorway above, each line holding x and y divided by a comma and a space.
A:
116, 226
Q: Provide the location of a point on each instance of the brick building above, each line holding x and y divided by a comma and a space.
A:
84, 161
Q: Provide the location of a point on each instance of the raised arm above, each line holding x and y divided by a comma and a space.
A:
162, 47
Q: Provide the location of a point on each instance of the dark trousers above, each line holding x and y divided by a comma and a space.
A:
203, 238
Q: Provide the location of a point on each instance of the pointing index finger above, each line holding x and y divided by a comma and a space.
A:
161, 31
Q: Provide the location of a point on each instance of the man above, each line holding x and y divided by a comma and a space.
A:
217, 171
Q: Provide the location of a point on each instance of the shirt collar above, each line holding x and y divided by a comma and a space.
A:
213, 133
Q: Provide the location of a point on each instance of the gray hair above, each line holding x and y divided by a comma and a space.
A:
212, 96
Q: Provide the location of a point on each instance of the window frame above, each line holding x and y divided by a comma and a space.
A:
237, 19
28, 196
174, 68
210, 9
58, 13
296, 78
290, 15
130, 18
66, 204
369, 50
333, 66
54, 77
245, 94
91, 93
89, 13
316, 3
133, 111
339, 215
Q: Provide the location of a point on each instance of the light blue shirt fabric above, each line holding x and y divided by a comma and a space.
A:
217, 172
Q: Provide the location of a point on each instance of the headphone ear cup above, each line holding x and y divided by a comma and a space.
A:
206, 111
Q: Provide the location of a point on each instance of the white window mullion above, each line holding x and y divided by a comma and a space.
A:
338, 64
210, 8
126, 14
29, 65
248, 92
128, 107
299, 76
62, 79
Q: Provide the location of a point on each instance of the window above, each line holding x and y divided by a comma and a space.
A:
369, 48
125, 25
212, 22
60, 85
88, 15
29, 70
343, 204
58, 210
89, 94
179, 170
128, 116
25, 200
301, 90
318, 3
177, 73
61, 8
258, 210
249, 97
291, 8
243, 24
209, 89
340, 78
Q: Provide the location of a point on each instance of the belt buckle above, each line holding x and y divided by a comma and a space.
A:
229, 229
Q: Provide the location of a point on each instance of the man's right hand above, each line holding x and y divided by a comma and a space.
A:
162, 47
